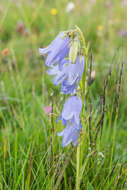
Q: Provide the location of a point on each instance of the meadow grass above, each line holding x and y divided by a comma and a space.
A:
31, 156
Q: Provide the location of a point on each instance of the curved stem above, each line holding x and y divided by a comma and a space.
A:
85, 51
83, 88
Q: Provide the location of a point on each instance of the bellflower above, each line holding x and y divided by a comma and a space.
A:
71, 118
70, 134
69, 75
57, 50
71, 110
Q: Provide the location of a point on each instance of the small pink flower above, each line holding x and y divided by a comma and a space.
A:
48, 109
122, 33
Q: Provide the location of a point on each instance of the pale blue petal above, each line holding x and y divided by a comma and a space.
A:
57, 50
53, 70
70, 134
72, 74
59, 78
67, 88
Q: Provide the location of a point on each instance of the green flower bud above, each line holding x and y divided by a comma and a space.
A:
73, 50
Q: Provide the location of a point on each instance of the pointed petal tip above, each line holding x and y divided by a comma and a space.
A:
43, 51
39, 50
59, 134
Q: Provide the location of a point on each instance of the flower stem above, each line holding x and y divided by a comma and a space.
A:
85, 51
78, 169
83, 88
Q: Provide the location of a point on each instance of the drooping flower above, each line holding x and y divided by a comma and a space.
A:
71, 118
69, 75
70, 134
57, 50
71, 110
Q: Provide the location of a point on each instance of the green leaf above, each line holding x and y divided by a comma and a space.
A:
89, 186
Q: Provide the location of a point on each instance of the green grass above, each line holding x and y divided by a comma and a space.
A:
31, 156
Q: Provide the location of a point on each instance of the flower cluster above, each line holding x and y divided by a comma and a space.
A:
69, 75
66, 71
70, 117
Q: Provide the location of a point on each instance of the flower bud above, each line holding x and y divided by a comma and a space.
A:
73, 50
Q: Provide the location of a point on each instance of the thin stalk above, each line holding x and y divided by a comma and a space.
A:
16, 151
117, 113
85, 51
78, 169
83, 88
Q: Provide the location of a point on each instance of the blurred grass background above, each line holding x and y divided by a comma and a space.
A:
25, 89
